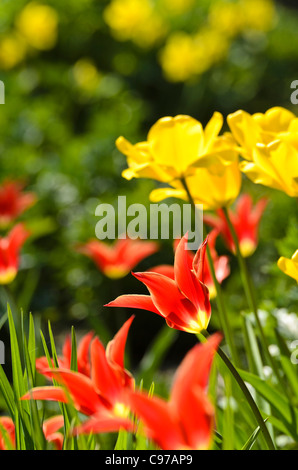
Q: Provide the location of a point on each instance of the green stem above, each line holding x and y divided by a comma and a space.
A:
249, 291
224, 320
246, 393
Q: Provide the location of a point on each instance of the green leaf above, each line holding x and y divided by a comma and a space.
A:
283, 409
252, 439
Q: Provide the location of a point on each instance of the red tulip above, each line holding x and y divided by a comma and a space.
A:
103, 394
184, 301
13, 201
65, 360
245, 220
117, 260
221, 266
9, 252
186, 421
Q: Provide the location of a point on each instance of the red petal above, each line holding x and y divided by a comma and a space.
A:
116, 348
167, 297
80, 388
103, 376
104, 423
52, 425
197, 419
184, 276
46, 393
160, 423
194, 370
83, 354
143, 302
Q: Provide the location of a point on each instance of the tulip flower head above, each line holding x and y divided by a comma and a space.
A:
289, 266
221, 265
13, 202
102, 396
174, 147
245, 220
9, 252
186, 421
118, 260
269, 144
184, 301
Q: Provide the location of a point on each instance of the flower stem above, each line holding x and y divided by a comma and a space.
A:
249, 291
255, 410
219, 297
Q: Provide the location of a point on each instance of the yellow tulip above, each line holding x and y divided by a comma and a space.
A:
215, 186
289, 266
269, 144
175, 147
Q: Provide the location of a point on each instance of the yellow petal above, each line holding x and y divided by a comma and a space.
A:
289, 266
212, 130
245, 131
176, 142
160, 194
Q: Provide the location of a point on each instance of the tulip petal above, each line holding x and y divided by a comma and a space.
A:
160, 423
46, 393
80, 388
116, 348
104, 423
142, 302
194, 370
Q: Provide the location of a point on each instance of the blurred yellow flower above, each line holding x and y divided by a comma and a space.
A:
184, 55
134, 20
289, 266
175, 147
269, 144
38, 25
86, 74
258, 14
226, 17
12, 51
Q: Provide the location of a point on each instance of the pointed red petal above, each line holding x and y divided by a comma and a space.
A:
46, 393
197, 419
103, 376
184, 276
143, 302
159, 420
194, 370
83, 353
80, 388
116, 348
